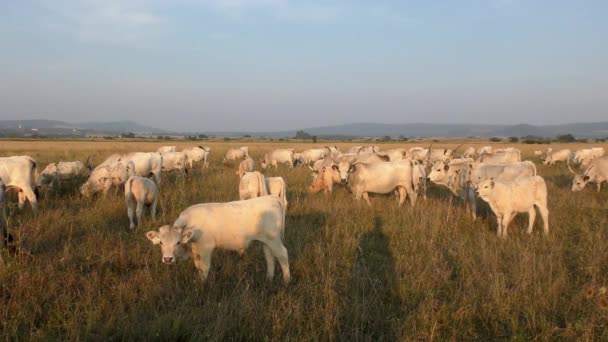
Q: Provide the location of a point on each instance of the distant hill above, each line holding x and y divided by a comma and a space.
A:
62, 128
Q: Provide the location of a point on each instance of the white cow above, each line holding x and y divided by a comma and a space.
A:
561, 155
506, 157
313, 154
469, 152
585, 156
176, 161
197, 154
140, 192
165, 149
520, 196
484, 149
276, 186
278, 156
20, 172
202, 228
62, 171
380, 178
146, 163
500, 172
247, 165
453, 175
103, 177
234, 154
596, 172
394, 154
254, 184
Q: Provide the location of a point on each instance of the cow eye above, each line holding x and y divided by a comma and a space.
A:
178, 242
161, 243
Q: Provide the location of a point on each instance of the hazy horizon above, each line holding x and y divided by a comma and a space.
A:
274, 65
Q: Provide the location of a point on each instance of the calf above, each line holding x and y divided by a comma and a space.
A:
140, 191
203, 227
520, 196
61, 171
279, 156
247, 165
252, 185
21, 172
103, 177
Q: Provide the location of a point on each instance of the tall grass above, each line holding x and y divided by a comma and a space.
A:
359, 273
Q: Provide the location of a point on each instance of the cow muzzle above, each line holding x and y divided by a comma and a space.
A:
168, 260
344, 180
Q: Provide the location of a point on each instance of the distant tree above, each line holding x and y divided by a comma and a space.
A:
303, 135
247, 136
227, 139
513, 139
386, 138
166, 137
566, 138
314, 139
402, 137
495, 139
129, 135
203, 136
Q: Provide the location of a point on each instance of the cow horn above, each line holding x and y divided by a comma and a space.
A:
428, 154
569, 167
456, 149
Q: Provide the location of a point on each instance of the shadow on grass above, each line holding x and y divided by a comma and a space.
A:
371, 308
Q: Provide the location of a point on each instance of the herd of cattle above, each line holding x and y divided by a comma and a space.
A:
497, 176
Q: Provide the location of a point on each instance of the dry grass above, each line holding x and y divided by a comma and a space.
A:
359, 273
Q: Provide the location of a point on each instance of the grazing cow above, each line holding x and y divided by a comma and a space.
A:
453, 175
254, 184
394, 154
146, 163
202, 228
62, 171
247, 165
519, 196
20, 172
279, 156
140, 191
585, 156
197, 154
596, 172
165, 149
552, 157
103, 177
234, 154
507, 157
175, 161
324, 179
500, 172
469, 152
380, 178
314, 154
319, 164
485, 149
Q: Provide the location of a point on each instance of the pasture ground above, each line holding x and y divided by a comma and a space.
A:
359, 273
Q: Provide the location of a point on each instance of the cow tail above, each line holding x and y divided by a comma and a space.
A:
128, 194
35, 176
262, 185
534, 167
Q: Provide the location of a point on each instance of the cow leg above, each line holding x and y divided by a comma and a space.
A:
506, 219
599, 186
31, 196
397, 195
202, 260
366, 198
139, 211
21, 197
130, 214
499, 228
544, 213
532, 217
269, 262
472, 203
280, 252
153, 207
157, 177
413, 196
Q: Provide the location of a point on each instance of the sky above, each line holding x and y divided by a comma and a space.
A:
264, 65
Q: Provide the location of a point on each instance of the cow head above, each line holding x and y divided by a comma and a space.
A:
264, 161
323, 179
439, 172
344, 168
173, 242
485, 188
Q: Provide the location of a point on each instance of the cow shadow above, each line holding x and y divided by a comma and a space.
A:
560, 181
371, 308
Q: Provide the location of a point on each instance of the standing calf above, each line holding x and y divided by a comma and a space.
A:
140, 191
519, 196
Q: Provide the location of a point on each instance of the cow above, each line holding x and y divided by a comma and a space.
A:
381, 178
554, 156
507, 149
202, 228
418, 153
453, 175
176, 161
254, 184
246, 165
585, 156
146, 163
393, 154
279, 156
484, 149
501, 172
166, 149
234, 154
21, 173
319, 164
506, 157
197, 154
469, 152
324, 179
596, 172
506, 199
62, 171
314, 154
140, 192
103, 177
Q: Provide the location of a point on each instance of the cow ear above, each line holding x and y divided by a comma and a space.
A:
446, 167
153, 236
335, 167
586, 178
492, 182
187, 235
352, 168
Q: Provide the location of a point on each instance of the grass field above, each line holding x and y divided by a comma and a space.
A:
358, 273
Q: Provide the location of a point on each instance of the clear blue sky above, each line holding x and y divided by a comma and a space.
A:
201, 65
